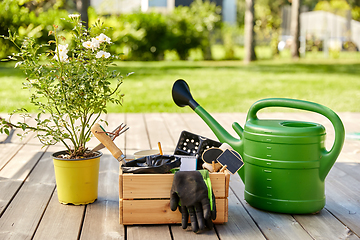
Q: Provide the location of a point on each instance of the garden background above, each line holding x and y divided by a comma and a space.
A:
193, 43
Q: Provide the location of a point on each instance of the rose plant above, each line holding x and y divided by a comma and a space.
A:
71, 84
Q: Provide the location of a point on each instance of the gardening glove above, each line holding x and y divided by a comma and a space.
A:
191, 191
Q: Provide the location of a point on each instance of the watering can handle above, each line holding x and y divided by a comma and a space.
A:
328, 157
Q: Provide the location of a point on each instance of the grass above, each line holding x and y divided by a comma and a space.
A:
221, 86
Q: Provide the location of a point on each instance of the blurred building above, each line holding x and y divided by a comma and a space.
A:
329, 30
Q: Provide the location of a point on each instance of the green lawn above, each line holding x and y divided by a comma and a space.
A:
220, 86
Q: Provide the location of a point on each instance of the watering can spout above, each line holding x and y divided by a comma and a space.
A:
182, 97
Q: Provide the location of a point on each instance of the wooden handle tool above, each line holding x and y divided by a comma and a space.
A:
108, 143
160, 149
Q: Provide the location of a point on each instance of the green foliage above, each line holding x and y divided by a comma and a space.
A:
70, 80
17, 18
12, 16
268, 21
147, 36
183, 33
154, 41
140, 36
339, 7
191, 27
205, 17
229, 34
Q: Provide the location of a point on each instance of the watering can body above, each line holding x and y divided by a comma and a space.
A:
285, 162
282, 160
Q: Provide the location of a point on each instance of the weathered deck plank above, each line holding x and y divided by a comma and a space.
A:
60, 221
102, 221
324, 225
151, 232
158, 132
240, 225
137, 136
25, 211
181, 234
175, 125
272, 225
16, 171
343, 194
10, 149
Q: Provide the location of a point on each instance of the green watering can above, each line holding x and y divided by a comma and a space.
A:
285, 161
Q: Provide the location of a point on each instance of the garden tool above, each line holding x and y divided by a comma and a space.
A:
105, 139
191, 192
285, 161
160, 148
115, 133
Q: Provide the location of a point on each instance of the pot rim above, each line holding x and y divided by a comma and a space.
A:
55, 154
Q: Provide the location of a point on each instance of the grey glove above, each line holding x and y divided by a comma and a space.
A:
191, 192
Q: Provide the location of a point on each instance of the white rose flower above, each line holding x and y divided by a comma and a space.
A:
87, 44
101, 54
74, 15
62, 57
103, 38
62, 49
95, 43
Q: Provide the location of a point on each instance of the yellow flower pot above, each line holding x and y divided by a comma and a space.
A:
76, 180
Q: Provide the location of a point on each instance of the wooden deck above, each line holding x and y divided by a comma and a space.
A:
29, 208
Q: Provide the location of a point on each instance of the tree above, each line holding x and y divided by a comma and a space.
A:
249, 32
268, 15
295, 28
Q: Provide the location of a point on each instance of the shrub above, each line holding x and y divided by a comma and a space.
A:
140, 36
146, 35
20, 20
184, 35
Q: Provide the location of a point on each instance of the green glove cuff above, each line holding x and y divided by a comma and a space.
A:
206, 177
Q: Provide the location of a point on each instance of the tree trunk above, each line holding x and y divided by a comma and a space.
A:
295, 28
207, 52
249, 41
82, 7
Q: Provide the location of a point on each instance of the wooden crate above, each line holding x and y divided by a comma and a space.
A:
145, 198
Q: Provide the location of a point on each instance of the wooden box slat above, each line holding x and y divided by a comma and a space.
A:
158, 212
139, 186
